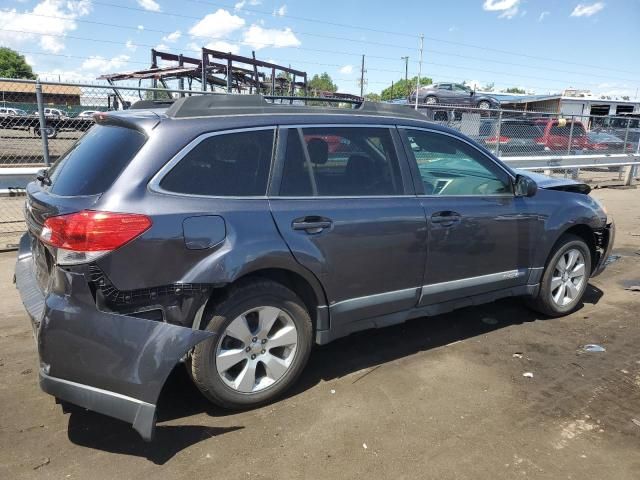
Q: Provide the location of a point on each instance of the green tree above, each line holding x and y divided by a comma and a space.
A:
323, 83
372, 97
488, 87
514, 90
402, 88
13, 65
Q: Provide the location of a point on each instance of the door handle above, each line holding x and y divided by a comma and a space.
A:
311, 224
446, 218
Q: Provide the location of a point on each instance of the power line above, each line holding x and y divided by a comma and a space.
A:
366, 42
461, 67
359, 27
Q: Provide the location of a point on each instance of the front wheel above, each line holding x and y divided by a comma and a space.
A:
264, 337
484, 105
565, 278
430, 100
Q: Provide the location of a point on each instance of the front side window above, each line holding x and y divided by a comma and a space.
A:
340, 161
230, 164
451, 167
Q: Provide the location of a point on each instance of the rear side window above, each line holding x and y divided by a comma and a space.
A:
230, 164
520, 130
95, 160
565, 131
340, 161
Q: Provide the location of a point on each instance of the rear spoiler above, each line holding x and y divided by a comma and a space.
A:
149, 104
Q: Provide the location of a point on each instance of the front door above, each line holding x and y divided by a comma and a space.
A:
345, 206
479, 232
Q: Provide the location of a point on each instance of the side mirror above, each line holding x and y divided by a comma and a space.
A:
472, 93
525, 186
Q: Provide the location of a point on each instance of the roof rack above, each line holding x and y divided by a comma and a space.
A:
225, 104
147, 104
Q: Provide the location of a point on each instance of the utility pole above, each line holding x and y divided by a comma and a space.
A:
362, 70
419, 68
406, 73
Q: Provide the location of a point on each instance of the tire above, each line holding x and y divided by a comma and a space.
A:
484, 105
546, 301
430, 100
222, 367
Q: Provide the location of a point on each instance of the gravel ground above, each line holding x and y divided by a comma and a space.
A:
442, 397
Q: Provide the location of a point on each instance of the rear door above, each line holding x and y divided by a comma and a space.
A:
479, 233
344, 203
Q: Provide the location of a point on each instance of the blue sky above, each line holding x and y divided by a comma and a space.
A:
540, 45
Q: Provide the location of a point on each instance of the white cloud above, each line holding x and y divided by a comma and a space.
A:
242, 3
453, 28
586, 10
542, 15
216, 25
259, 37
150, 5
103, 65
508, 8
280, 12
132, 47
140, 27
346, 69
162, 47
48, 32
222, 46
172, 37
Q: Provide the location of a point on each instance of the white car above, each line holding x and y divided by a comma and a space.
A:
13, 112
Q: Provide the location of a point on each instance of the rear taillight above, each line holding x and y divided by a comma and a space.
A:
84, 236
540, 141
493, 140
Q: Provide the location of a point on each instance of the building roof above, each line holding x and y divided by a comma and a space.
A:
19, 87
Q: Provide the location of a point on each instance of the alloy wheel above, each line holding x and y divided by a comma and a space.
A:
256, 349
568, 279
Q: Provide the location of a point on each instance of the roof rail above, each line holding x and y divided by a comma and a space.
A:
229, 104
147, 104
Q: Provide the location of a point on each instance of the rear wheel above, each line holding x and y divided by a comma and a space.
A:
484, 105
565, 278
431, 100
264, 337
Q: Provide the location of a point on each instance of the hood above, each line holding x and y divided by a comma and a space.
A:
550, 183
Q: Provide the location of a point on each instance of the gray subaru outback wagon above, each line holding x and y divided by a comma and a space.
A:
231, 234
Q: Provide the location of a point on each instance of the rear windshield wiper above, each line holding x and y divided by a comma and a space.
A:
43, 177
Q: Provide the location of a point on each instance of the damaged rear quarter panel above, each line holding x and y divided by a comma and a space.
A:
131, 356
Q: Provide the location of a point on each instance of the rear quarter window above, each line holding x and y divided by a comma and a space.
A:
229, 164
93, 163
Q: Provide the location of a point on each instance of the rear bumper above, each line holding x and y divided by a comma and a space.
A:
608, 237
141, 415
109, 363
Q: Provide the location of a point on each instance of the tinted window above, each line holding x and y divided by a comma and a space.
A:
340, 161
565, 131
95, 160
520, 130
231, 164
449, 166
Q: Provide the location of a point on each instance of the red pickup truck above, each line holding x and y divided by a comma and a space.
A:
556, 133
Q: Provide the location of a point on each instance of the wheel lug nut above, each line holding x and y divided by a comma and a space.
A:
254, 339
263, 351
253, 357
248, 349
264, 340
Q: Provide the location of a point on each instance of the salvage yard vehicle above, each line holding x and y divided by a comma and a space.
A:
558, 133
225, 233
453, 94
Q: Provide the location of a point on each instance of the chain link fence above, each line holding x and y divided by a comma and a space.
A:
39, 122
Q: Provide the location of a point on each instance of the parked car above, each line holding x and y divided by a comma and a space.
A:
223, 232
88, 114
53, 113
453, 94
17, 112
623, 126
606, 142
557, 132
517, 136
